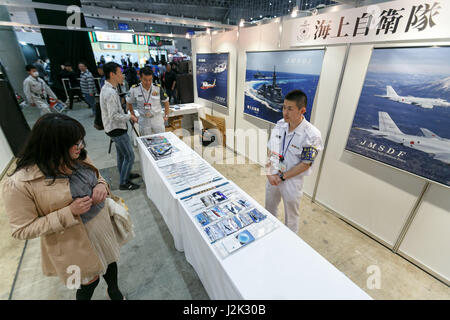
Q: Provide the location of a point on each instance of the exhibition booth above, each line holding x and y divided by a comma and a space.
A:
377, 82
237, 248
135, 47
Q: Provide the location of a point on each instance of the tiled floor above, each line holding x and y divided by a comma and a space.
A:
151, 268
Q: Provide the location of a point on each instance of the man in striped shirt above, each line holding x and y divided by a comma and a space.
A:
87, 84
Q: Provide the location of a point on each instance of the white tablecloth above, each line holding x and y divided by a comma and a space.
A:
279, 265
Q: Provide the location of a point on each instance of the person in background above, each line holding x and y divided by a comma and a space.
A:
101, 74
131, 75
136, 66
39, 65
115, 124
36, 90
102, 59
98, 124
57, 194
170, 82
148, 99
74, 88
162, 67
47, 68
293, 146
87, 83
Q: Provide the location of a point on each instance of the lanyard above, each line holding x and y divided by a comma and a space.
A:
148, 97
42, 85
283, 152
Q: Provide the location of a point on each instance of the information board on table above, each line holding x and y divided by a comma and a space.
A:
190, 173
228, 219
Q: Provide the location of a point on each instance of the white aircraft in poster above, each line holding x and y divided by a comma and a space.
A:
427, 103
437, 147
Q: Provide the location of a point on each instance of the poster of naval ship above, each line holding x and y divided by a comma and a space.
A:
212, 77
403, 114
271, 75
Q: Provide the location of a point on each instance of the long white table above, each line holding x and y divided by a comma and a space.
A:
279, 265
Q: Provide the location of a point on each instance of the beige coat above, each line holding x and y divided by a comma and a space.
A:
36, 209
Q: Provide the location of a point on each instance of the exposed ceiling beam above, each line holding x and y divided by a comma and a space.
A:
123, 15
49, 26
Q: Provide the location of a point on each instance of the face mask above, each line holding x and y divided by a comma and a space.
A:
35, 74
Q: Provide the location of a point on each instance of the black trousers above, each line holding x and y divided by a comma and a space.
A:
72, 93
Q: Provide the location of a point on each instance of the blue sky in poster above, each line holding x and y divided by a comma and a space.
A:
411, 61
302, 62
416, 72
212, 77
294, 70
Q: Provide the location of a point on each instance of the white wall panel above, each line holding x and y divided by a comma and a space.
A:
324, 101
428, 238
374, 196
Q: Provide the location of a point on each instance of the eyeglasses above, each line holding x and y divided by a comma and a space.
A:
81, 144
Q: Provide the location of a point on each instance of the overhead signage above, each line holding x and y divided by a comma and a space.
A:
389, 21
114, 37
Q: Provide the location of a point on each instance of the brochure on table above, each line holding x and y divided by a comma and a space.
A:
182, 169
227, 219
159, 147
188, 174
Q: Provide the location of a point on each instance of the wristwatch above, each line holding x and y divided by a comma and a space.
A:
280, 174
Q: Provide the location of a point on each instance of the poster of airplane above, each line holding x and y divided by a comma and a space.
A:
271, 75
403, 114
212, 77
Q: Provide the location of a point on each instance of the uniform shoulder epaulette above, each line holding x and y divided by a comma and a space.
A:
158, 85
134, 86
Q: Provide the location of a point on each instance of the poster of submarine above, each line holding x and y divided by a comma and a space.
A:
403, 114
272, 75
212, 77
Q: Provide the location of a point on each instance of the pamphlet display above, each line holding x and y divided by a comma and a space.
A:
159, 147
189, 174
228, 219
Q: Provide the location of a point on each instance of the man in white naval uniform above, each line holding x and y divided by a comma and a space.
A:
36, 90
294, 144
148, 99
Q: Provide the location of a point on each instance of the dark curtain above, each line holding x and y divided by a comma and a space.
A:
64, 45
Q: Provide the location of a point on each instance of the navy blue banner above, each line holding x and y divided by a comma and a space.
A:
271, 75
403, 114
212, 77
